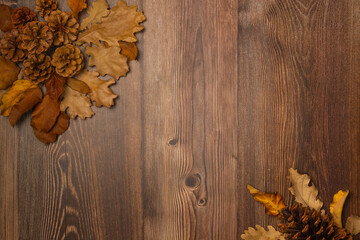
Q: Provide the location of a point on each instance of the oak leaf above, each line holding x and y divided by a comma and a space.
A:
5, 18
8, 72
78, 85
121, 24
14, 94
304, 194
261, 234
78, 104
100, 91
45, 114
108, 61
129, 50
273, 202
98, 10
61, 125
353, 224
336, 207
77, 6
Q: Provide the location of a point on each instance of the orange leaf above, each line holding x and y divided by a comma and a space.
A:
55, 86
78, 85
273, 202
77, 6
5, 18
129, 50
61, 125
45, 114
8, 72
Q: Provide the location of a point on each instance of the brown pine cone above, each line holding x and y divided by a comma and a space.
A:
64, 26
21, 16
45, 7
36, 37
68, 60
309, 224
9, 46
38, 68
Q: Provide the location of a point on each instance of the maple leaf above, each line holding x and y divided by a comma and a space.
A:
115, 64
304, 194
78, 85
5, 18
77, 6
98, 10
100, 91
261, 234
45, 114
14, 94
273, 202
129, 50
121, 24
353, 224
61, 125
8, 72
78, 104
336, 207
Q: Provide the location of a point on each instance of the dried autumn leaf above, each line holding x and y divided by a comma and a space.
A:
98, 10
261, 234
336, 207
77, 6
61, 125
78, 104
14, 94
121, 24
115, 64
55, 86
273, 202
45, 114
353, 224
304, 194
78, 85
5, 18
129, 50
8, 72
100, 91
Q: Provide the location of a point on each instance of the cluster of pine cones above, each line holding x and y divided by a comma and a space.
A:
31, 41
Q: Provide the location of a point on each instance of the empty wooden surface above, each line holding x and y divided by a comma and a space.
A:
225, 93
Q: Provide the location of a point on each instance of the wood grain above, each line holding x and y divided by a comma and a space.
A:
225, 93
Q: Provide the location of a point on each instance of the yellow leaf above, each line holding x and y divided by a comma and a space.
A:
261, 234
108, 61
77, 6
14, 94
100, 91
273, 202
121, 24
304, 194
8, 72
98, 10
337, 205
78, 104
353, 224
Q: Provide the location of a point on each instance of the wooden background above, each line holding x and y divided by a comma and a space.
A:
225, 93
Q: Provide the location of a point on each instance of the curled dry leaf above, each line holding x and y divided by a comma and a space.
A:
273, 202
61, 125
115, 64
261, 234
78, 104
77, 6
304, 194
98, 10
121, 24
100, 91
336, 207
353, 224
45, 114
129, 50
5, 18
78, 85
8, 72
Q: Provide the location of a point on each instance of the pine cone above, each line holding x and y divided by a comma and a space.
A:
9, 46
38, 67
21, 16
309, 224
68, 60
64, 26
45, 7
36, 37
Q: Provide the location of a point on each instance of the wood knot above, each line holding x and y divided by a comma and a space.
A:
193, 181
202, 202
173, 142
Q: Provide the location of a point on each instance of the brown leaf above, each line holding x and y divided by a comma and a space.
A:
28, 100
8, 72
45, 114
129, 50
78, 104
61, 125
77, 6
273, 202
115, 64
121, 24
100, 91
78, 85
5, 18
353, 224
261, 234
55, 86
98, 10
